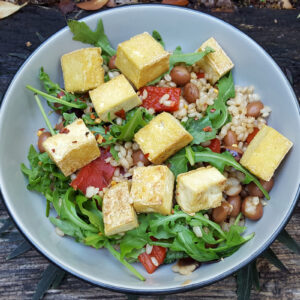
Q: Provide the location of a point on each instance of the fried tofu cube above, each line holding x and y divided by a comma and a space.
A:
82, 70
152, 189
215, 64
200, 189
142, 59
72, 149
265, 152
118, 213
162, 137
113, 96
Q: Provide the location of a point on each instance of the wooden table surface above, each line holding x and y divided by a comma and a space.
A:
277, 31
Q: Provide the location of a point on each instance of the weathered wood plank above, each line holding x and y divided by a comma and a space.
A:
19, 277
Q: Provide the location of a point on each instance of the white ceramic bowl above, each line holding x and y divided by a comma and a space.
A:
20, 118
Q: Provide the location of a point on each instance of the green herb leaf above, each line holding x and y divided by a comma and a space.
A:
158, 38
188, 58
135, 120
69, 118
172, 256
21, 249
195, 128
84, 34
48, 278
273, 259
220, 160
218, 113
136, 238
288, 241
244, 282
178, 163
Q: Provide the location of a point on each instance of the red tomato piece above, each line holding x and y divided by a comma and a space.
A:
121, 114
215, 145
97, 173
158, 252
252, 135
200, 75
156, 93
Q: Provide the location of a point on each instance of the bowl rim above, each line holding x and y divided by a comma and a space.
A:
180, 289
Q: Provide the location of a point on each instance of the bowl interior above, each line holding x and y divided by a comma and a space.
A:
20, 118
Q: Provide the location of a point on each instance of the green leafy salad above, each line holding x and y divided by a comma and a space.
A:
77, 199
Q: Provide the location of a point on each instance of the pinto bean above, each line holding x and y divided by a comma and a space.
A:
191, 92
252, 208
236, 203
254, 108
230, 138
254, 190
42, 138
180, 75
138, 156
220, 213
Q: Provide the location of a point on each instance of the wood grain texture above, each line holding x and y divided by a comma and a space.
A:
278, 32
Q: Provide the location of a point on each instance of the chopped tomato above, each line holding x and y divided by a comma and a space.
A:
158, 253
121, 114
215, 145
252, 135
200, 75
98, 174
154, 98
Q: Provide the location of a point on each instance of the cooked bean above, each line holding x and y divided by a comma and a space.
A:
254, 190
252, 208
236, 203
112, 62
254, 108
42, 138
190, 92
220, 213
230, 138
180, 75
232, 187
139, 156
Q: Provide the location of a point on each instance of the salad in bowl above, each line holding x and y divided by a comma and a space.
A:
157, 155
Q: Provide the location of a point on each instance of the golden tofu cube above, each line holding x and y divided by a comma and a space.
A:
152, 189
142, 59
162, 137
118, 213
265, 152
200, 189
82, 70
217, 63
73, 149
113, 96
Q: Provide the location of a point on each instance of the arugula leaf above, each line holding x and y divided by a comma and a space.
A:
84, 34
51, 87
89, 208
158, 38
68, 212
136, 238
135, 120
172, 256
218, 113
69, 118
178, 163
220, 160
188, 58
195, 128
178, 57
114, 153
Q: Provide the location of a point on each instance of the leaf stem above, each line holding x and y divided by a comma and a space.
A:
117, 255
38, 101
53, 99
